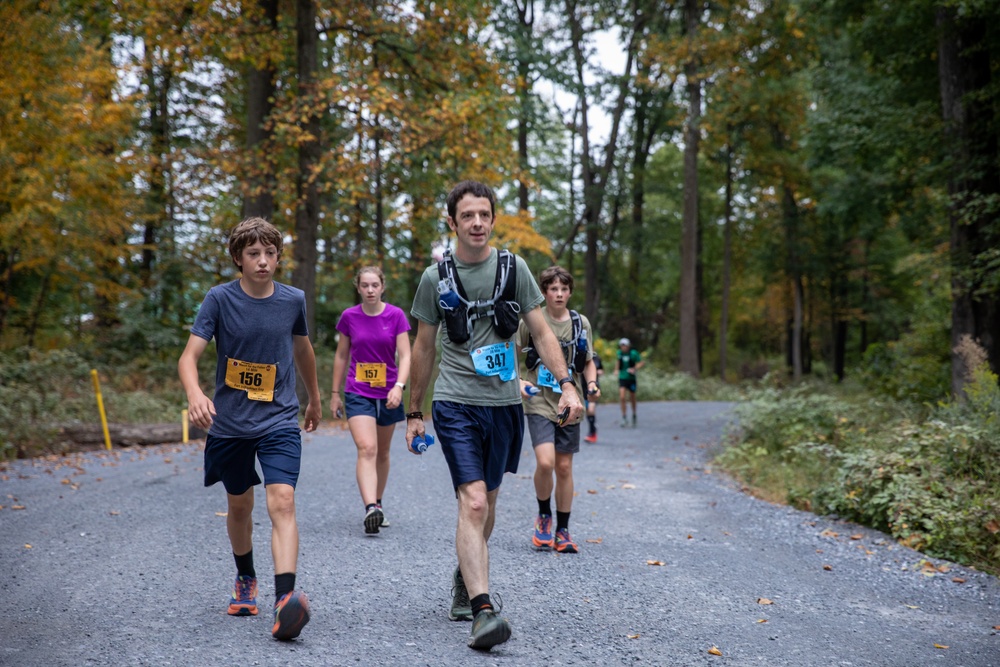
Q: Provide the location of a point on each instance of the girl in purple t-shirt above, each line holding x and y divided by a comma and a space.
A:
374, 356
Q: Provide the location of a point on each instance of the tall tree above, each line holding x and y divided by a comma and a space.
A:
690, 347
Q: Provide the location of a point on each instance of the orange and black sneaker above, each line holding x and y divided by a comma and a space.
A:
591, 438
291, 614
542, 539
243, 601
565, 543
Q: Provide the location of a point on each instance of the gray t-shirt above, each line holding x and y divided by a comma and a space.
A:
257, 331
457, 380
546, 403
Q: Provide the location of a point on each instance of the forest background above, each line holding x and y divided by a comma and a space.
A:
797, 198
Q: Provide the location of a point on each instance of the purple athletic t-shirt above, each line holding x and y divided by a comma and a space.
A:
373, 341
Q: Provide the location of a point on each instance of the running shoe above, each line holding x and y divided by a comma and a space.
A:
591, 438
291, 614
373, 519
624, 423
461, 606
542, 539
488, 630
385, 519
633, 421
565, 543
244, 598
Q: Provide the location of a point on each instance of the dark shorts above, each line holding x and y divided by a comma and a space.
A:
357, 405
231, 460
628, 384
479, 442
565, 438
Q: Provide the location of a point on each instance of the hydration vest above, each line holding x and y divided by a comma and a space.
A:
576, 346
460, 314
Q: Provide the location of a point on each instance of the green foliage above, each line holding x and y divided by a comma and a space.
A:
934, 484
41, 391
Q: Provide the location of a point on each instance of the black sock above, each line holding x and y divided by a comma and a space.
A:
244, 564
378, 501
369, 506
481, 603
592, 420
545, 506
283, 583
562, 521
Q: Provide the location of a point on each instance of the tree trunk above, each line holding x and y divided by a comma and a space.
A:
689, 231
727, 254
967, 104
259, 200
307, 197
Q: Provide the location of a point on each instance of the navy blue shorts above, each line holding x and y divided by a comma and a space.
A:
357, 405
231, 460
627, 384
479, 442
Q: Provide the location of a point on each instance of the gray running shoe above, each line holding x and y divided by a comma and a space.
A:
385, 519
373, 519
488, 630
461, 606
633, 421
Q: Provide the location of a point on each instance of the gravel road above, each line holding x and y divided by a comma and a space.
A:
121, 558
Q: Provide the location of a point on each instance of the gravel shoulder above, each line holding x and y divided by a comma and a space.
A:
121, 558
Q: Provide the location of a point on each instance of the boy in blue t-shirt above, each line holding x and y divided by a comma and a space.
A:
259, 327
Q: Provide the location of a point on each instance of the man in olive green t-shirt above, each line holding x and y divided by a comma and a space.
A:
476, 403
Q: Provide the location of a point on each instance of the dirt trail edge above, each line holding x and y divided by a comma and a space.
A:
121, 558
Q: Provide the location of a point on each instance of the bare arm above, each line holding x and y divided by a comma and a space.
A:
395, 396
590, 379
200, 407
421, 368
305, 361
340, 360
548, 349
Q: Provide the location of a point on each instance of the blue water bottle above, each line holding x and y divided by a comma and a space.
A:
581, 343
531, 390
447, 297
421, 443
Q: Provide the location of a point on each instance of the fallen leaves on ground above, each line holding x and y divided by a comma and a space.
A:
222, 514
27, 546
857, 536
635, 636
958, 580
714, 651
655, 562
596, 540
762, 620
829, 533
592, 492
941, 646
828, 568
764, 601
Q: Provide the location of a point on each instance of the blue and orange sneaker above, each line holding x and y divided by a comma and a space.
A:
243, 601
565, 543
542, 539
291, 614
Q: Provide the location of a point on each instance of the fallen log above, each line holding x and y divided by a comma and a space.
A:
127, 435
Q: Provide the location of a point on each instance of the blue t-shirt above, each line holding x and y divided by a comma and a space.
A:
257, 331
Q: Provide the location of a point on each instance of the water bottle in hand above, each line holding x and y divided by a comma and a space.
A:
421, 443
531, 390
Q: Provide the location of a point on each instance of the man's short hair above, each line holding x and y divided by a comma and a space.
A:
251, 231
474, 188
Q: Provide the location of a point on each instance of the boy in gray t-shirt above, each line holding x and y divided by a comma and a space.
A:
260, 331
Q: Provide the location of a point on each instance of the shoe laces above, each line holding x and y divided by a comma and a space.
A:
460, 593
244, 587
544, 524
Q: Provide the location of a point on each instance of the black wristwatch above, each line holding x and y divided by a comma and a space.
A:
565, 380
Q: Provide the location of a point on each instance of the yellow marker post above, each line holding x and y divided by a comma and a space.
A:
100, 408
184, 426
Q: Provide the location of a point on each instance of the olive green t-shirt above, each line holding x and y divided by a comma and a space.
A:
457, 380
546, 403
